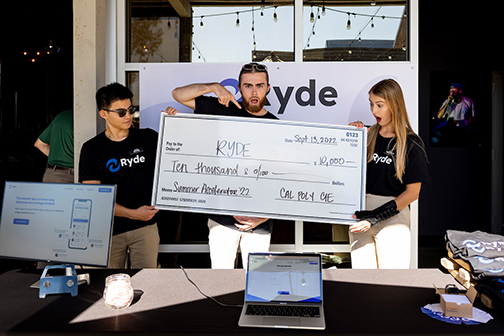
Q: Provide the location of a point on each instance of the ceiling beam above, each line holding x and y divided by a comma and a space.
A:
183, 7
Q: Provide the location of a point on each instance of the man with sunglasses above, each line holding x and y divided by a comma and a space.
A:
252, 234
125, 156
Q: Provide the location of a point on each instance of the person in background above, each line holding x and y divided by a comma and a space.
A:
457, 109
252, 234
396, 170
57, 143
456, 119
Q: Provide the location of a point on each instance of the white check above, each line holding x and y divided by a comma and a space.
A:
260, 167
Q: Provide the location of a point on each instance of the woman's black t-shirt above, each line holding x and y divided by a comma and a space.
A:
381, 179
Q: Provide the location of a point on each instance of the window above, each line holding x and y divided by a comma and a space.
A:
154, 32
243, 34
362, 33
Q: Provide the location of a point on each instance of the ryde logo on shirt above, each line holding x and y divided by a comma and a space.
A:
113, 165
382, 159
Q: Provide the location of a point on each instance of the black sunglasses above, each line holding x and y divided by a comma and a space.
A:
252, 66
122, 112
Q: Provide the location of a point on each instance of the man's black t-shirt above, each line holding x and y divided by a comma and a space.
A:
129, 164
210, 105
381, 178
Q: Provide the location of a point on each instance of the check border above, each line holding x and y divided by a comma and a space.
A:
168, 122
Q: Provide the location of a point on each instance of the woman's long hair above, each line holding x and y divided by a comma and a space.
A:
390, 91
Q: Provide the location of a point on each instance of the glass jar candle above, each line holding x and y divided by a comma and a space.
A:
118, 292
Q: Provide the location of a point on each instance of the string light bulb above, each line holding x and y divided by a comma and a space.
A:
169, 24
237, 19
312, 16
275, 16
372, 23
349, 23
323, 10
201, 23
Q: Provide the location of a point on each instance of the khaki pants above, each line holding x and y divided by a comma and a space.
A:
53, 175
387, 244
143, 245
223, 243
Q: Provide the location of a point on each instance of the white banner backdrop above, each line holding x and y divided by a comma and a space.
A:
328, 93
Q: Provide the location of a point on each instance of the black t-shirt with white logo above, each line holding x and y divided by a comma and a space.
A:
129, 164
210, 105
381, 178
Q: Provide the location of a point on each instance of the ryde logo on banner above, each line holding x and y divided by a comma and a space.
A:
304, 96
333, 93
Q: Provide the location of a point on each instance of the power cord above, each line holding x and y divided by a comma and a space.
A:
207, 296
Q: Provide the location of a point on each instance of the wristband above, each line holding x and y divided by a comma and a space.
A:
379, 214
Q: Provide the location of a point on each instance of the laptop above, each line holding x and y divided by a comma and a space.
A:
283, 290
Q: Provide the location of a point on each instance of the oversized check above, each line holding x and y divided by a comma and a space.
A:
260, 167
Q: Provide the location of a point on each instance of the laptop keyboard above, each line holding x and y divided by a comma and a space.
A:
273, 310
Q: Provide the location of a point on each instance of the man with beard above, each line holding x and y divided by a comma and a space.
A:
252, 234
457, 108
455, 119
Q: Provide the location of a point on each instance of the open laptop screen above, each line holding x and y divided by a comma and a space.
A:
284, 278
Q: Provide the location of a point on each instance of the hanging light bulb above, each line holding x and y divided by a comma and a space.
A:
323, 10
312, 16
372, 23
169, 24
275, 17
237, 19
201, 23
349, 23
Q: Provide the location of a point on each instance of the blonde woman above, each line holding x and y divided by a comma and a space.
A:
396, 169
